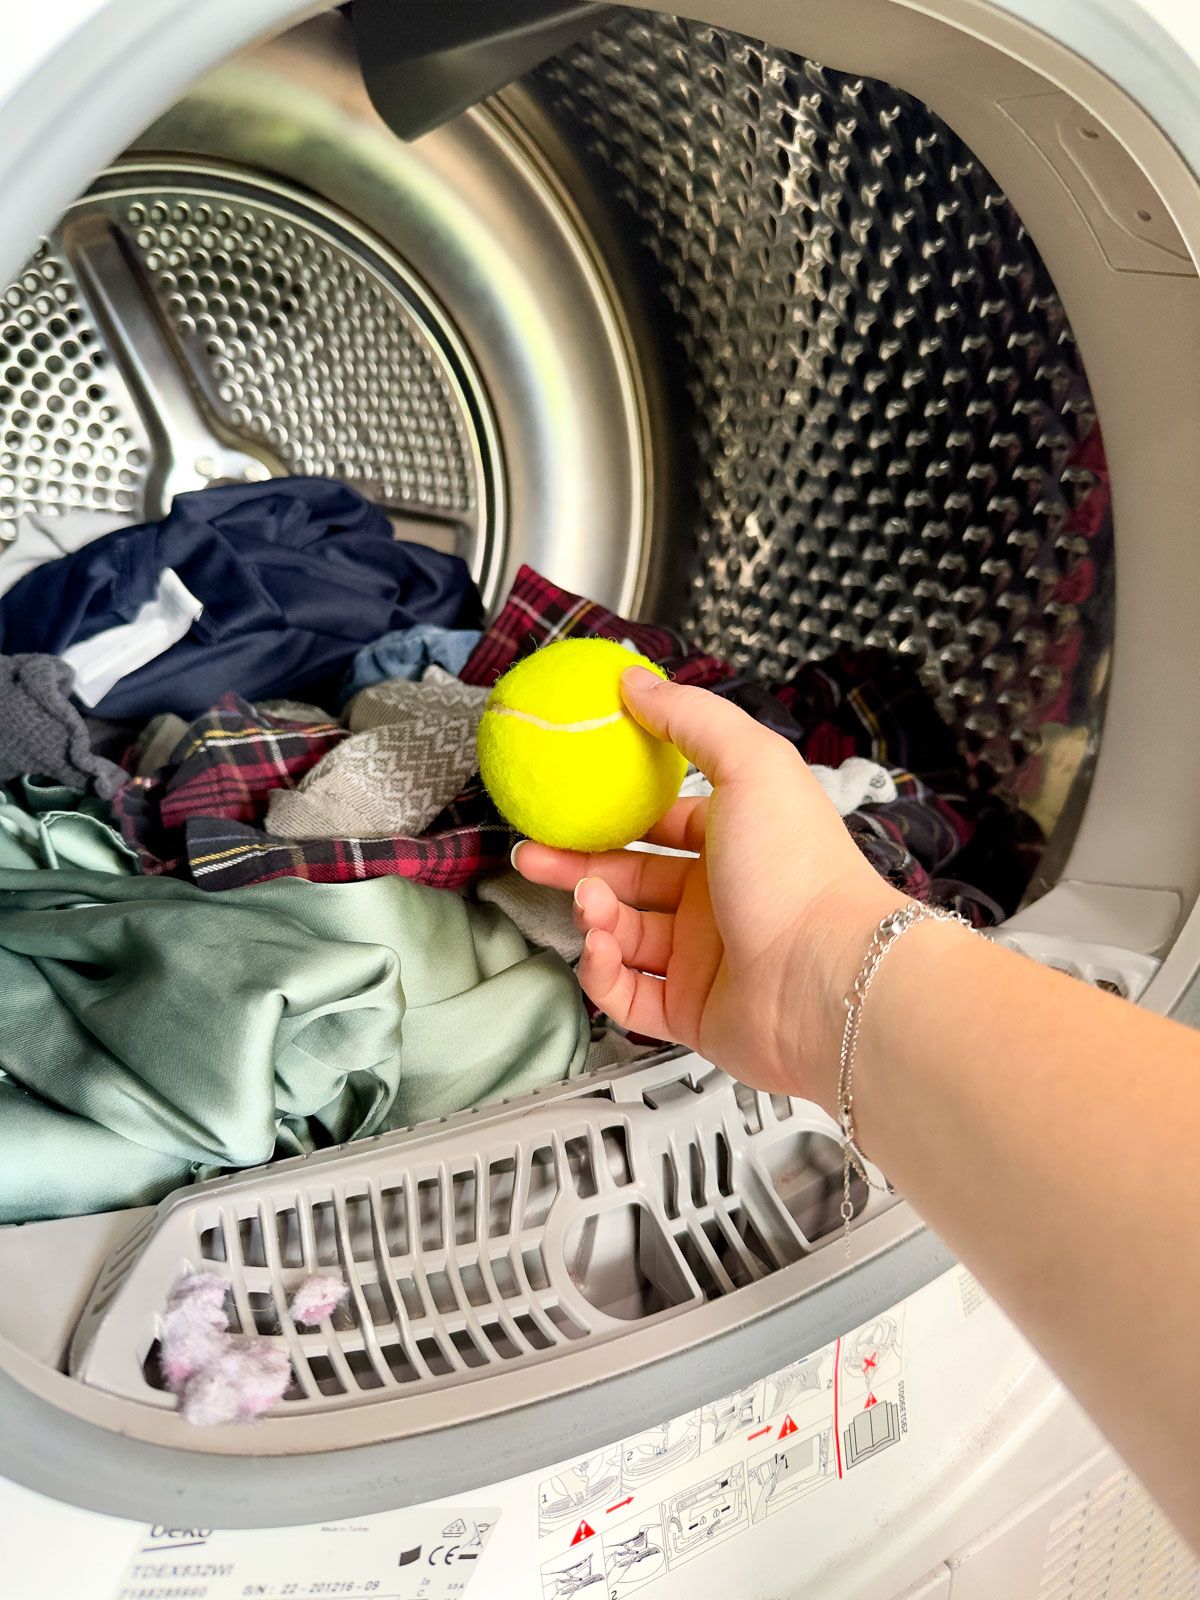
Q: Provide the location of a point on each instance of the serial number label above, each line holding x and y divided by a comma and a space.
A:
254, 1591
421, 1554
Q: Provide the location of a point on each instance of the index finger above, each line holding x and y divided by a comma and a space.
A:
715, 735
649, 882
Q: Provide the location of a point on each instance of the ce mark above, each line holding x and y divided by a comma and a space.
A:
442, 1555
454, 1552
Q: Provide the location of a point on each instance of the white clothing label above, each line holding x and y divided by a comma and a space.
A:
106, 658
426, 1553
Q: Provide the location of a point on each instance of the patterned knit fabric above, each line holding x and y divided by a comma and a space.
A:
385, 704
415, 753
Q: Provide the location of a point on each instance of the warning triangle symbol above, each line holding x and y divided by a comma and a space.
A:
787, 1427
582, 1532
871, 1401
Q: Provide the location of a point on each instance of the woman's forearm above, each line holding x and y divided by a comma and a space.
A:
1050, 1134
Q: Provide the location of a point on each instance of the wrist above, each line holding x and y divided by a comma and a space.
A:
831, 941
895, 1017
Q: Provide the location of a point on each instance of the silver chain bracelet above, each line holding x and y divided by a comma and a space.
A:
893, 927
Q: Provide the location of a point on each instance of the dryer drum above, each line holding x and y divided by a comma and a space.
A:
869, 421
893, 438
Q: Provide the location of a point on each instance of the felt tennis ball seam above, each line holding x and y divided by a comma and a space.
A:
587, 725
564, 760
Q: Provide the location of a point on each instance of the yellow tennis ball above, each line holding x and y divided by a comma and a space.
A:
563, 759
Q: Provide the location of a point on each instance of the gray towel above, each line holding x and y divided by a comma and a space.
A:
42, 733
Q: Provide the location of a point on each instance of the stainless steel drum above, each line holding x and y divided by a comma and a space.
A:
690, 322
272, 282
893, 439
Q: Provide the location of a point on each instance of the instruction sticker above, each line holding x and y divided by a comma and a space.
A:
422, 1554
620, 1519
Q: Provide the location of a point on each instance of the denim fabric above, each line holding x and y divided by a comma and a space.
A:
406, 653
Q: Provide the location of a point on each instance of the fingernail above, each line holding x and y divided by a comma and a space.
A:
575, 894
589, 941
641, 678
512, 854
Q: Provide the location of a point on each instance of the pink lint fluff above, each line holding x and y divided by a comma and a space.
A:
245, 1380
317, 1298
194, 1328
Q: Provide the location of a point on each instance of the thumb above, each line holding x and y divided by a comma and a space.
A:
714, 734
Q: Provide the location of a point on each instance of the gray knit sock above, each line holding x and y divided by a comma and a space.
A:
397, 699
156, 743
412, 751
42, 733
545, 916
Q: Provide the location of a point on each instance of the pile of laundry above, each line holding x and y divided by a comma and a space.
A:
254, 900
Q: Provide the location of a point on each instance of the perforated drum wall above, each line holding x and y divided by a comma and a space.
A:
894, 442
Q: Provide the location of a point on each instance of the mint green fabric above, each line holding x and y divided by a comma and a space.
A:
51, 825
150, 1032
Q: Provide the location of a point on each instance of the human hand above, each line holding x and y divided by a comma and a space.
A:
745, 949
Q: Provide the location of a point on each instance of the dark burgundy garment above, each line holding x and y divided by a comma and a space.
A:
912, 840
295, 576
869, 703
